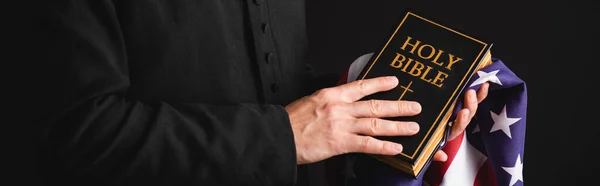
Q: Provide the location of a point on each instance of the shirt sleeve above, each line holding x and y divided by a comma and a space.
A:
96, 135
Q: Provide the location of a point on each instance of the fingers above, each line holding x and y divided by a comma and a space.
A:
358, 89
370, 145
464, 116
381, 127
383, 108
440, 156
482, 92
462, 120
471, 102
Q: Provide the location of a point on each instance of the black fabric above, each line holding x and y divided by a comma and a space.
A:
163, 92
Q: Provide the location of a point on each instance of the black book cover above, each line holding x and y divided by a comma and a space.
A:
433, 63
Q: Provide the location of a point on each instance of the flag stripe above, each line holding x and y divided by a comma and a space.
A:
465, 165
486, 176
438, 169
343, 79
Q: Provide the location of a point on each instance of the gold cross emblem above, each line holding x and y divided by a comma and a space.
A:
406, 88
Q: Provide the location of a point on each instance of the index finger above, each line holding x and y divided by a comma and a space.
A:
353, 91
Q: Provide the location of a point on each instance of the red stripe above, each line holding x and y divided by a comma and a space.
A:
485, 176
435, 172
343, 79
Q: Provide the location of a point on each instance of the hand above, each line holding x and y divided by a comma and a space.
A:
464, 116
332, 121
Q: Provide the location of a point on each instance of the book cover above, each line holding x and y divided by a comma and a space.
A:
433, 63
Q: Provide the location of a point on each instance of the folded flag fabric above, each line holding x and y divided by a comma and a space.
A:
489, 152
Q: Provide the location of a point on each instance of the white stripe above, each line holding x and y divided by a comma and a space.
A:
464, 166
357, 66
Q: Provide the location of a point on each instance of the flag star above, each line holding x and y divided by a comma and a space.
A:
502, 122
516, 172
487, 77
475, 129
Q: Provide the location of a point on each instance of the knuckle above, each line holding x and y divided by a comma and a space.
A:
375, 126
331, 108
375, 106
383, 149
317, 93
366, 142
324, 93
313, 99
360, 84
403, 107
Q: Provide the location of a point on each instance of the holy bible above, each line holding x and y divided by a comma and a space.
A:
433, 63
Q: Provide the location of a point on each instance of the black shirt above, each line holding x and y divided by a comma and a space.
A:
169, 92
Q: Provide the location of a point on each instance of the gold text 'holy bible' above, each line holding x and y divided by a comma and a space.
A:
433, 63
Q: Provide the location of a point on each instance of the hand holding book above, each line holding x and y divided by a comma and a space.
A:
433, 63
471, 100
333, 121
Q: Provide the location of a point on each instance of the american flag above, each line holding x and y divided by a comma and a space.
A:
488, 153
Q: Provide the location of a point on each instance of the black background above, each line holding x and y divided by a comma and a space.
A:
550, 45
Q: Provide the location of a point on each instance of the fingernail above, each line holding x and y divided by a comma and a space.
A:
398, 147
413, 127
416, 107
392, 80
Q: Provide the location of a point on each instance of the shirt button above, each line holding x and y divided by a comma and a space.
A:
274, 87
264, 27
268, 57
